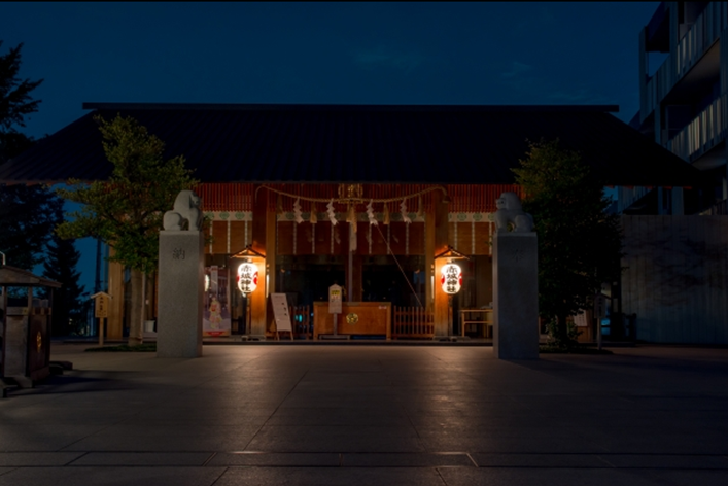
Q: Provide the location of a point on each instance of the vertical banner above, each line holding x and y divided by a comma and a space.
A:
216, 321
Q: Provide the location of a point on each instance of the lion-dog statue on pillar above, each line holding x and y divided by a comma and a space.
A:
186, 208
510, 211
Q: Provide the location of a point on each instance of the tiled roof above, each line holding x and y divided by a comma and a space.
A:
359, 143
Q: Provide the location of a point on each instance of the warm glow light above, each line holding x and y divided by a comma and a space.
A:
451, 278
247, 277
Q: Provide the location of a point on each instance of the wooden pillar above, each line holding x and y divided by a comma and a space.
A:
115, 322
356, 276
264, 241
258, 307
430, 233
270, 259
436, 241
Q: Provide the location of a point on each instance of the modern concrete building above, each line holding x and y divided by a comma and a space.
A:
683, 86
676, 279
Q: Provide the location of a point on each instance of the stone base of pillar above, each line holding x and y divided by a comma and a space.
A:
181, 288
515, 296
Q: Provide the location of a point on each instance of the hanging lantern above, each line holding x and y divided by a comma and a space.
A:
386, 214
451, 278
247, 277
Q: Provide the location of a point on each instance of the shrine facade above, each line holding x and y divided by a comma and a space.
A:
296, 190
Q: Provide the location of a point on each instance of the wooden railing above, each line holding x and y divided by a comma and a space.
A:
413, 322
302, 322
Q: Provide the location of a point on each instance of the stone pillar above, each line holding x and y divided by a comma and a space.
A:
515, 295
181, 288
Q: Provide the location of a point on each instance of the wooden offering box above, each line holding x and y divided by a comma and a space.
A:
372, 319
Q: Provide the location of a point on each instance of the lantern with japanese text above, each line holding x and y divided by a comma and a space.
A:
247, 277
451, 278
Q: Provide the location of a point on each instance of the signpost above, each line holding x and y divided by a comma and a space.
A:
101, 312
336, 296
280, 313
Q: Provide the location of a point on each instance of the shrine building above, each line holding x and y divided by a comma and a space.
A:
295, 190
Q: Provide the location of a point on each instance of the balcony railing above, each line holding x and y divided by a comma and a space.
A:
703, 133
720, 209
704, 32
659, 84
628, 195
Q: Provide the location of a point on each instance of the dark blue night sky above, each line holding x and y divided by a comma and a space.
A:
384, 53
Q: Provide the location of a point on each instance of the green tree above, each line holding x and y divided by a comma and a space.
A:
28, 214
580, 244
60, 265
126, 210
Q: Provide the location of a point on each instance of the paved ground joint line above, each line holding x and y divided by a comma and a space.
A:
276, 410
439, 474
69, 463
221, 475
209, 458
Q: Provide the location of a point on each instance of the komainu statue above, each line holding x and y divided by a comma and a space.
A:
510, 211
186, 208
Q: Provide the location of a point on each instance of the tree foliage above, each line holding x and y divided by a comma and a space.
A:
126, 210
60, 265
28, 214
15, 93
580, 244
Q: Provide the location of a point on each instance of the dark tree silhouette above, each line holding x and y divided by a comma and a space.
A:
15, 93
60, 265
28, 214
579, 242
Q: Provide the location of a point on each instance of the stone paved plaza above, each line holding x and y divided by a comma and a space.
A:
358, 415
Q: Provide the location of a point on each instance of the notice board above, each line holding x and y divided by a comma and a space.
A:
280, 311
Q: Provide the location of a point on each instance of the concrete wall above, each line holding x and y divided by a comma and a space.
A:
677, 278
